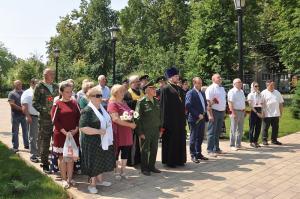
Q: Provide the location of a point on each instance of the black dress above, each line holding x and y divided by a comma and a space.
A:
94, 160
173, 121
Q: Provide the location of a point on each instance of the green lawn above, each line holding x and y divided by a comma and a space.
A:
287, 125
17, 180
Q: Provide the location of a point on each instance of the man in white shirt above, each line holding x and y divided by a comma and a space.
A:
31, 115
272, 108
236, 103
105, 90
216, 99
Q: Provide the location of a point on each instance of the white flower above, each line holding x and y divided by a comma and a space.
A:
125, 113
122, 117
125, 117
136, 114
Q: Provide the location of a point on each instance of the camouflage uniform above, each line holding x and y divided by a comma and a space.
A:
43, 102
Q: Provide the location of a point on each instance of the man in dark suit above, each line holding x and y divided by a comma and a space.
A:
196, 105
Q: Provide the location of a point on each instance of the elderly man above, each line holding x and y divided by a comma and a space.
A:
216, 99
133, 94
17, 116
32, 120
43, 97
272, 109
196, 105
104, 89
172, 103
236, 103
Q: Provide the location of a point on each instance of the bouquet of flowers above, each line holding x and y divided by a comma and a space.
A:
129, 116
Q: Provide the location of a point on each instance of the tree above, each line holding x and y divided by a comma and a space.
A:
296, 102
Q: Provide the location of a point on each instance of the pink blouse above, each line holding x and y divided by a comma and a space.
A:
122, 134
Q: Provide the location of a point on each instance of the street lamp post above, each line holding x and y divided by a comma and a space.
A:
56, 52
113, 32
239, 5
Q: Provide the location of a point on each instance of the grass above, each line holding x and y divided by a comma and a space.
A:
18, 180
287, 125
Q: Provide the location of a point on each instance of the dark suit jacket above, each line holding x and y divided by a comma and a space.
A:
194, 106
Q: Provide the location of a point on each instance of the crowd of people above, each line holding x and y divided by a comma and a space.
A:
97, 118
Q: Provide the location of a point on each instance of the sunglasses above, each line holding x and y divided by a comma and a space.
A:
97, 96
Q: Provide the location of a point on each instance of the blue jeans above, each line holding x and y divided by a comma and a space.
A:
16, 121
196, 138
214, 130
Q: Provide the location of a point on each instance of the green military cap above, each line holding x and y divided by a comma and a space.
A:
144, 77
149, 84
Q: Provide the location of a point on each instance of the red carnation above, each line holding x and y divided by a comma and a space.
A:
50, 99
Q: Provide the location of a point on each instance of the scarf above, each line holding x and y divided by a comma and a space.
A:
106, 124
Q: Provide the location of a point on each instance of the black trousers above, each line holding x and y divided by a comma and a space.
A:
274, 123
255, 125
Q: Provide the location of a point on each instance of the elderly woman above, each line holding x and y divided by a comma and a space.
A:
97, 141
122, 129
65, 116
83, 101
255, 119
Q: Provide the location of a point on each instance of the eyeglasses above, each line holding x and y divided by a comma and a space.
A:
97, 96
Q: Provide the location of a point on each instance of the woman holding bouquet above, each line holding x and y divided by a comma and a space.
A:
122, 128
65, 116
97, 148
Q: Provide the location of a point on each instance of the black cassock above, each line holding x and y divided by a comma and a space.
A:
173, 121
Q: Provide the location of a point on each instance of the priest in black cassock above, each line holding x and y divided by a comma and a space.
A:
173, 121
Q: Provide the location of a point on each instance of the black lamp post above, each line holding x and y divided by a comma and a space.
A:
239, 5
113, 33
56, 52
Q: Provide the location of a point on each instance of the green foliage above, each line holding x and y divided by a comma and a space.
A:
18, 180
296, 102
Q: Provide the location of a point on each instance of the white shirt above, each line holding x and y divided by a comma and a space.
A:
237, 98
216, 93
271, 102
254, 99
26, 98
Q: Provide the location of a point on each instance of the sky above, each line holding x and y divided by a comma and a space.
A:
26, 25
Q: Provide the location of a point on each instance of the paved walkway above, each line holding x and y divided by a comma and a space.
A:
268, 172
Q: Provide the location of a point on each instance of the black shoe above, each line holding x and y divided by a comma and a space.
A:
203, 158
35, 160
257, 145
46, 169
276, 142
253, 145
265, 143
146, 173
155, 170
195, 160
26, 147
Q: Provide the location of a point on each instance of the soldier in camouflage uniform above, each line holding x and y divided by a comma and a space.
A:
43, 96
148, 127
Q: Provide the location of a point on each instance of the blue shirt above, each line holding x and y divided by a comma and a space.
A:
105, 94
